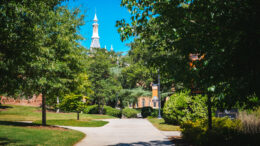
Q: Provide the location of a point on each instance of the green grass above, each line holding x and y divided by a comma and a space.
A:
77, 123
17, 133
161, 125
12, 134
27, 113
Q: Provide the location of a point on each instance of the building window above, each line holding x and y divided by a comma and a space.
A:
143, 102
154, 104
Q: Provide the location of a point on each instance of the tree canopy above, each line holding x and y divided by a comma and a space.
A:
222, 34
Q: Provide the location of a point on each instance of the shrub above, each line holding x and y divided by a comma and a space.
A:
155, 113
129, 113
224, 132
146, 111
107, 110
112, 111
91, 109
182, 107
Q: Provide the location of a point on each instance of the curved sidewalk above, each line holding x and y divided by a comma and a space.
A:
123, 132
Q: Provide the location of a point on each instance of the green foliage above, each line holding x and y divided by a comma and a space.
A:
182, 107
147, 111
40, 50
91, 109
72, 102
129, 113
224, 132
214, 30
112, 111
155, 113
103, 77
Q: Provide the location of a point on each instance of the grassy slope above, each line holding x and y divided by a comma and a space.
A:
161, 125
27, 113
20, 135
15, 133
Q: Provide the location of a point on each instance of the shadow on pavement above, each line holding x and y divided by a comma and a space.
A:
151, 143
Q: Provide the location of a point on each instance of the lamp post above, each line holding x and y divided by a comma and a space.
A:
159, 96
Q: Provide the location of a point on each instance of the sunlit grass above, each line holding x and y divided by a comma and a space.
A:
27, 113
77, 123
20, 135
161, 125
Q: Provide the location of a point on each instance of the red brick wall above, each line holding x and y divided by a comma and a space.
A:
34, 101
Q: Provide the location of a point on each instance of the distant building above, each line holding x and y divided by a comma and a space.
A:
95, 37
95, 43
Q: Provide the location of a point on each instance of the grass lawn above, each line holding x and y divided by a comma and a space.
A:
13, 133
77, 123
27, 113
161, 125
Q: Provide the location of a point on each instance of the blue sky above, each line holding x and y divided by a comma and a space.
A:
108, 12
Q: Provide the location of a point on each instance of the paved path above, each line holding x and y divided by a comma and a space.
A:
124, 132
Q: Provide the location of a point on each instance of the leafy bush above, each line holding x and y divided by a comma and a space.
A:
107, 110
224, 132
146, 111
72, 103
129, 113
112, 111
182, 107
155, 113
91, 109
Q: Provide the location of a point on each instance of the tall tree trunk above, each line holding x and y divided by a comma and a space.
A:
209, 112
58, 102
77, 115
99, 109
43, 110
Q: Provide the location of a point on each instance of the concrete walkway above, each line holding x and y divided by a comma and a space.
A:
124, 132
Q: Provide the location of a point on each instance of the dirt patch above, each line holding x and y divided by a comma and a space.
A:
48, 128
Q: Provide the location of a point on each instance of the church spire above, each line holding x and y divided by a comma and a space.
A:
95, 37
111, 49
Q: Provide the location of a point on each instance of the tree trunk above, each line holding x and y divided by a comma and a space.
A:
77, 115
58, 102
209, 112
43, 110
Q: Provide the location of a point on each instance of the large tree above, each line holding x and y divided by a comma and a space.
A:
40, 52
223, 34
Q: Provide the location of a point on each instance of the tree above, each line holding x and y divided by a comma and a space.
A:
41, 53
72, 102
103, 84
220, 34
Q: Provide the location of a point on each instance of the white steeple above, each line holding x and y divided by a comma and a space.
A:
95, 18
95, 37
111, 49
